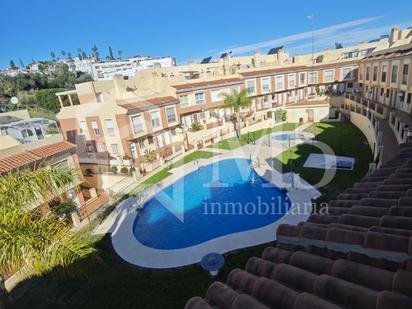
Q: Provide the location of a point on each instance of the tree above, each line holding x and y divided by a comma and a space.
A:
34, 243
79, 52
111, 57
63, 52
53, 55
69, 56
47, 99
236, 101
12, 65
119, 53
95, 52
21, 63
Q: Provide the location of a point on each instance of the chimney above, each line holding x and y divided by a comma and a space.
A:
394, 35
256, 59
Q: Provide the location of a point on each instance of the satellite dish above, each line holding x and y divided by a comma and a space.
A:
14, 100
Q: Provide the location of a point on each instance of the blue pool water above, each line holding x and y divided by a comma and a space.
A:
286, 136
222, 183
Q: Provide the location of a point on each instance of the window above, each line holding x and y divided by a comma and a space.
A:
99, 97
346, 73
141, 143
150, 140
360, 73
265, 84
280, 82
313, 77
394, 76
95, 128
409, 98
155, 119
133, 150
405, 74
200, 98
387, 93
173, 132
115, 148
384, 72
375, 73
250, 86
101, 147
302, 78
137, 124
382, 91
368, 72
171, 114
291, 80
328, 75
184, 100
83, 127
109, 127
216, 95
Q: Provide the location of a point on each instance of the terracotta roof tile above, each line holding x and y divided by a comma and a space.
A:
17, 160
338, 260
30, 156
208, 83
149, 102
53, 149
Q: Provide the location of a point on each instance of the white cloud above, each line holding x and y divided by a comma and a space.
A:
294, 38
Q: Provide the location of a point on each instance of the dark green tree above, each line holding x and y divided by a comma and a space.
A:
12, 65
111, 57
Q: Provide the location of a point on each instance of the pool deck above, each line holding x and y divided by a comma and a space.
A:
120, 222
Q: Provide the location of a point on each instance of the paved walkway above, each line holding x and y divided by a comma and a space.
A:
390, 144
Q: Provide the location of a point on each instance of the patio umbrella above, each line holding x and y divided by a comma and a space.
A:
212, 262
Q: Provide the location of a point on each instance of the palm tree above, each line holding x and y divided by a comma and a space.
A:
63, 52
119, 53
53, 55
30, 242
236, 101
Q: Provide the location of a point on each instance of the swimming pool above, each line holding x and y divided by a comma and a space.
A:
286, 136
218, 199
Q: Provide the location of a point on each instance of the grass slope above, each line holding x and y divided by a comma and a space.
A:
233, 143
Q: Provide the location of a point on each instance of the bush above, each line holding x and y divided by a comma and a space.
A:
150, 155
64, 210
101, 169
113, 169
196, 127
124, 170
132, 170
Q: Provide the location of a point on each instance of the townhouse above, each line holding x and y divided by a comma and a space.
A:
48, 151
161, 108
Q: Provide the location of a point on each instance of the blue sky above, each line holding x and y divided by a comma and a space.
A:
189, 29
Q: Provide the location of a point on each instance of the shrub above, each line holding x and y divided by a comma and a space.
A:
124, 170
132, 170
150, 155
196, 126
64, 210
113, 169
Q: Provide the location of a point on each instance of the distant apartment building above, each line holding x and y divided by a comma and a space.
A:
159, 108
45, 148
106, 70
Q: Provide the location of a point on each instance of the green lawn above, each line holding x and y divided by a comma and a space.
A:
162, 174
115, 284
233, 143
346, 140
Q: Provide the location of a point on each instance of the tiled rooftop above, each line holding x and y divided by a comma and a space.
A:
357, 256
220, 82
30, 156
149, 103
